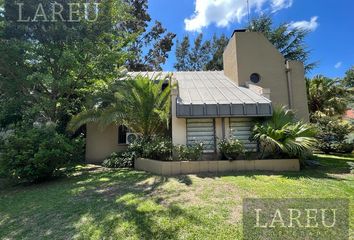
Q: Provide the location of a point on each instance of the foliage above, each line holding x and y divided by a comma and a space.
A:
141, 104
123, 159
151, 47
157, 148
348, 80
231, 148
326, 96
334, 135
36, 154
48, 68
289, 41
207, 55
189, 153
282, 136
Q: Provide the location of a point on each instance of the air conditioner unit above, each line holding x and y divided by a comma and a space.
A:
131, 137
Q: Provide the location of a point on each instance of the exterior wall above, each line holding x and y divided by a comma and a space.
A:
230, 60
179, 127
251, 52
300, 102
169, 168
101, 143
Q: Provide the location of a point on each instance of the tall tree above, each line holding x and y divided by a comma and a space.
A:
201, 55
289, 41
326, 96
153, 42
48, 68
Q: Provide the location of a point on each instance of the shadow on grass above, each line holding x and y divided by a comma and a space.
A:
94, 204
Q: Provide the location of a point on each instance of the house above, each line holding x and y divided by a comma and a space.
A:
211, 105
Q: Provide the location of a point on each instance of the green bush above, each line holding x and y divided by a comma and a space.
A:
334, 135
157, 148
120, 160
189, 153
281, 136
231, 148
36, 154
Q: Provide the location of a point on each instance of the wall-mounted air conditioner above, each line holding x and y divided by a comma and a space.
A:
131, 137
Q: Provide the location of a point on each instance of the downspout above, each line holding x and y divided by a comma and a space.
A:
290, 87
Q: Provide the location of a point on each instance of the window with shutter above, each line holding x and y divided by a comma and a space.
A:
240, 128
201, 130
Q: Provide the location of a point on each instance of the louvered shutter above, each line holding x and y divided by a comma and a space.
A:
201, 130
240, 128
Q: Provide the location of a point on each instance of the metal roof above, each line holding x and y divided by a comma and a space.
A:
212, 94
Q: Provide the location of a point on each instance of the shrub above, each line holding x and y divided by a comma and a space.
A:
281, 136
189, 153
157, 148
36, 154
231, 148
334, 135
120, 160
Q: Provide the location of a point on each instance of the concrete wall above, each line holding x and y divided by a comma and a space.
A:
169, 168
251, 52
100, 143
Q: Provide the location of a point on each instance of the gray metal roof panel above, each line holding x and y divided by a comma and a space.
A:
214, 94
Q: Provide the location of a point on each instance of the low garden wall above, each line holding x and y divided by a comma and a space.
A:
168, 168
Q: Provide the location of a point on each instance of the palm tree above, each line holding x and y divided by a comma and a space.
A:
326, 96
282, 135
141, 104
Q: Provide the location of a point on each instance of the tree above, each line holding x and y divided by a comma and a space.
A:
326, 96
289, 41
48, 68
348, 80
203, 55
153, 42
141, 104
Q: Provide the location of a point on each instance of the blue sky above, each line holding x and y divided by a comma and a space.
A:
331, 23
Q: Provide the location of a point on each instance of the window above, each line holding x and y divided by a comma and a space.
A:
201, 130
122, 134
240, 128
255, 78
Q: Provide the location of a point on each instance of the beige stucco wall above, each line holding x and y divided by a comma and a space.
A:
300, 102
251, 52
100, 143
169, 168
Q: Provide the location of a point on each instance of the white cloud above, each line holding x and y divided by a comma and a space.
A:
306, 25
280, 4
224, 12
338, 65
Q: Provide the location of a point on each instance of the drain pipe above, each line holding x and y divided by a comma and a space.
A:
290, 87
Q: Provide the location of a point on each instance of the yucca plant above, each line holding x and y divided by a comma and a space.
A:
282, 136
139, 103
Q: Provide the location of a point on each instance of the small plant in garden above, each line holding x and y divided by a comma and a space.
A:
231, 148
35, 154
189, 153
120, 160
157, 148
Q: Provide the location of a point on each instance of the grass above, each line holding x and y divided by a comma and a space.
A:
96, 203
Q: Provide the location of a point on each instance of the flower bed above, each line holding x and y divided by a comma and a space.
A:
168, 168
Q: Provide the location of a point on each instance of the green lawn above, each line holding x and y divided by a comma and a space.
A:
95, 203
